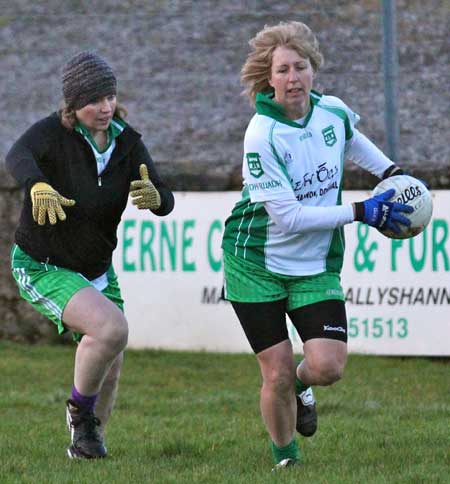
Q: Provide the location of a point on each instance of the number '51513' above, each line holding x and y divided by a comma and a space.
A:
377, 328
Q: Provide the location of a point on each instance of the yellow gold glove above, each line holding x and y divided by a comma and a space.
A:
143, 192
47, 201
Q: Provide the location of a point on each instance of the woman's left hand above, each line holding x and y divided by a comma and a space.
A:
143, 192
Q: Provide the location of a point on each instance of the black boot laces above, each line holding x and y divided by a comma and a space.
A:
86, 422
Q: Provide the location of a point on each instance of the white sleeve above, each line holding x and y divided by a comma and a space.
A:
263, 170
292, 217
365, 154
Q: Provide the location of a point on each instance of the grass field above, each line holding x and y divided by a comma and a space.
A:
194, 418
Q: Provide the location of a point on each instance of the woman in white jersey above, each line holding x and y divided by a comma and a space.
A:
283, 243
78, 167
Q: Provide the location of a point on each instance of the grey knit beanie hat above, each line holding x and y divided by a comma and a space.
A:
85, 78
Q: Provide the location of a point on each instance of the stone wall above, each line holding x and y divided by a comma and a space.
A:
178, 65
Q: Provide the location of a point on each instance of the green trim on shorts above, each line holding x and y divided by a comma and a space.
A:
48, 288
249, 282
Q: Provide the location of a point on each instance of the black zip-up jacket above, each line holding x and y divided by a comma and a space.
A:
84, 242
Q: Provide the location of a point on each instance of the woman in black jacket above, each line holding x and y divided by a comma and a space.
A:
78, 167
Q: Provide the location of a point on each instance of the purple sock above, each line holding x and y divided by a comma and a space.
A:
83, 401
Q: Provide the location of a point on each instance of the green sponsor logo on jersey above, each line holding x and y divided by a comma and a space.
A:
329, 135
306, 135
264, 185
254, 164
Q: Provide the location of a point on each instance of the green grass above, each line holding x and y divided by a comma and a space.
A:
194, 418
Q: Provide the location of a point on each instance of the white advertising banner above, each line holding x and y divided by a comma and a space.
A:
170, 272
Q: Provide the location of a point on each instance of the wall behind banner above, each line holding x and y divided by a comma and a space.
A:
170, 270
177, 64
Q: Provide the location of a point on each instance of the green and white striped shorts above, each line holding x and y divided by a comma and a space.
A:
48, 288
247, 282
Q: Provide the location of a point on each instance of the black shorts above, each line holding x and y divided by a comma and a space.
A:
265, 323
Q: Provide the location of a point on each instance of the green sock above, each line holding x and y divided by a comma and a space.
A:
290, 451
299, 385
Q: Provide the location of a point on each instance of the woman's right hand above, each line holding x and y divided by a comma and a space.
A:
48, 202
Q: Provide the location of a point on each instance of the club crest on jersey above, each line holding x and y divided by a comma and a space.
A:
254, 164
288, 158
329, 135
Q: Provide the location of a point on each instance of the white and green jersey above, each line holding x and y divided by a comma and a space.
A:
286, 160
102, 157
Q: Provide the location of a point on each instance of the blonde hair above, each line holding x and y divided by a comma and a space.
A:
255, 73
69, 118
